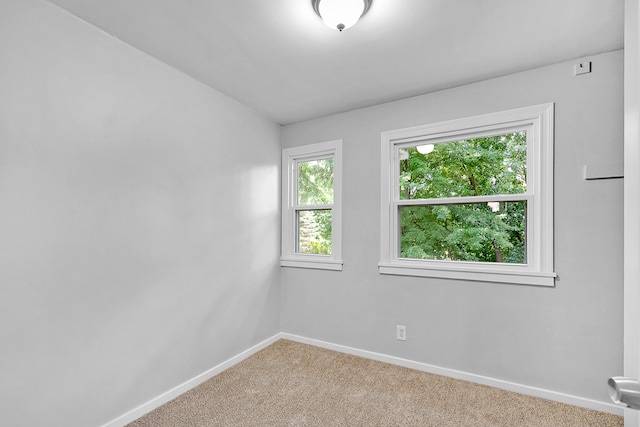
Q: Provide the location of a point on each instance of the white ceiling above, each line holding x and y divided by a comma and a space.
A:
278, 58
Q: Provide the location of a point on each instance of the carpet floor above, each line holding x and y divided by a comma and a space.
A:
294, 384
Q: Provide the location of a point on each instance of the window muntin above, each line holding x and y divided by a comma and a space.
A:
311, 210
516, 148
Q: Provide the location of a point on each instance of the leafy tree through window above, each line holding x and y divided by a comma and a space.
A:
493, 231
311, 206
470, 198
315, 189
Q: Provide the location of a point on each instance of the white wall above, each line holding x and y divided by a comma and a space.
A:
566, 339
632, 198
139, 223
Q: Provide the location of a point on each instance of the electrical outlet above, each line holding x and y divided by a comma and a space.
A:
582, 68
401, 332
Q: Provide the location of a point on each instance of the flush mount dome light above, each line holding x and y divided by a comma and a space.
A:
340, 14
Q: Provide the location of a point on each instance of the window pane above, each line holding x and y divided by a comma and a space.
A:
469, 167
315, 182
485, 232
313, 231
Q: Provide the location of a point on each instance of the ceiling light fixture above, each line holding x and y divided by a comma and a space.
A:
340, 14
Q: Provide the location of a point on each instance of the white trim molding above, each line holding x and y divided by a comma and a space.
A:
631, 199
537, 122
465, 376
290, 159
169, 395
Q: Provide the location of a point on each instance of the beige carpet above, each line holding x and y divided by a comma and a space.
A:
293, 384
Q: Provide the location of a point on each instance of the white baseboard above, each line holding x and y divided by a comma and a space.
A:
187, 385
479, 379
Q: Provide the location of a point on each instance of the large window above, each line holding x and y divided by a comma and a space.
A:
311, 206
471, 198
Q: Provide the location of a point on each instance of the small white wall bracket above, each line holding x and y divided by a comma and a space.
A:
603, 171
582, 68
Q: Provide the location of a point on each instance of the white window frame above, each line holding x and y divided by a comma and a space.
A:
290, 159
538, 123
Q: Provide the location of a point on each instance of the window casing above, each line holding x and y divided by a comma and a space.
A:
312, 206
534, 199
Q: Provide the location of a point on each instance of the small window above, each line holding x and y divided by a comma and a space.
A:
471, 199
311, 208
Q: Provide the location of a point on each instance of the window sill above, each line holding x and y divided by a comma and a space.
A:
314, 263
512, 277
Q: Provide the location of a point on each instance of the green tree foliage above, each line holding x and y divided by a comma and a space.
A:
483, 232
315, 187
